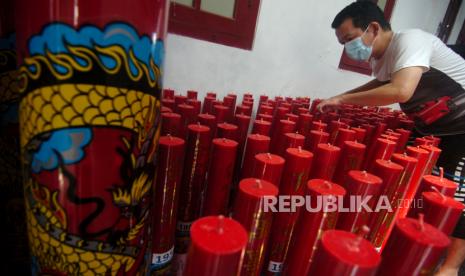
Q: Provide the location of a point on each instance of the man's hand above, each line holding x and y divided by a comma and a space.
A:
330, 104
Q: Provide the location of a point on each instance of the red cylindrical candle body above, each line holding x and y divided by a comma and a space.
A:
352, 154
314, 138
436, 140
256, 144
311, 224
333, 129
278, 139
187, 117
169, 103
165, 109
281, 112
170, 124
192, 187
434, 153
326, 159
344, 253
218, 246
419, 141
304, 123
418, 247
261, 127
265, 117
370, 130
168, 181
268, 167
403, 139
318, 125
197, 106
211, 95
295, 175
220, 173
242, 122
249, 211
344, 134
179, 99
229, 131
443, 185
168, 93
292, 140
381, 149
265, 109
209, 121
292, 117
221, 112
360, 134
208, 104
441, 211
243, 109
192, 94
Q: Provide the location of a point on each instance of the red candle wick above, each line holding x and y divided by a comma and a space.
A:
421, 220
441, 173
220, 226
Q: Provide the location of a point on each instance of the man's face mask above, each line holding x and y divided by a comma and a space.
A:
357, 50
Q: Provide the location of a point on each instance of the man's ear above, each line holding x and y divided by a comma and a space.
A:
375, 28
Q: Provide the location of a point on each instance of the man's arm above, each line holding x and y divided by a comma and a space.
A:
367, 86
399, 90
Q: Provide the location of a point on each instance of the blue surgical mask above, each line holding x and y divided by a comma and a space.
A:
357, 50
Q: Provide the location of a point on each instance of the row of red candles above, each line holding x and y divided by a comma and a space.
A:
279, 160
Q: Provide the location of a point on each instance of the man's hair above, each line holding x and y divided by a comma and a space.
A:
362, 14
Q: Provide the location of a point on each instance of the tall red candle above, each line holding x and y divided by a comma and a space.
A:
443, 212
314, 138
192, 187
442, 184
326, 159
360, 134
221, 112
362, 185
243, 109
304, 123
168, 181
352, 154
187, 118
197, 106
403, 139
418, 247
344, 253
311, 224
208, 104
168, 93
281, 112
319, 125
434, 153
295, 175
333, 129
292, 140
255, 144
268, 167
192, 94
344, 134
170, 123
218, 246
230, 102
278, 139
370, 130
249, 211
220, 173
169, 103
265, 117
229, 131
381, 149
179, 99
261, 127
265, 109
243, 124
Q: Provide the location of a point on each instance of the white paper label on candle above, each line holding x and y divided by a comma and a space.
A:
161, 259
275, 266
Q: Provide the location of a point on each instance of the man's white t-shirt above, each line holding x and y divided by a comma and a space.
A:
443, 76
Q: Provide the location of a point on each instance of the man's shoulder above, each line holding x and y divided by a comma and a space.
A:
411, 34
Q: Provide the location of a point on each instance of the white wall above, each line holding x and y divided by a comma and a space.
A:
457, 25
295, 51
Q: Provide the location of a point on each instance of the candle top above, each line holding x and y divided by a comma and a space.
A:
258, 137
170, 141
348, 130
324, 187
354, 144
225, 143
365, 177
287, 122
242, 116
171, 115
319, 132
389, 164
404, 157
198, 128
416, 151
350, 249
263, 122
328, 147
227, 126
386, 141
218, 235
269, 158
219, 106
422, 232
207, 116
431, 148
258, 187
294, 135
439, 199
185, 106
440, 181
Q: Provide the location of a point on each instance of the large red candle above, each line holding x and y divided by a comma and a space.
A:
261, 127
170, 123
344, 253
192, 187
326, 159
344, 134
443, 212
220, 174
249, 211
167, 184
352, 154
314, 138
278, 139
229, 131
442, 184
295, 175
255, 144
230, 102
422, 156
217, 248
268, 167
311, 224
359, 184
414, 248
187, 118
434, 153
304, 123
221, 112
381, 149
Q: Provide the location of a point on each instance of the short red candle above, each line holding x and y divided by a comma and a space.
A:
422, 156
166, 196
221, 112
187, 117
304, 123
314, 138
268, 167
362, 184
434, 153
414, 248
344, 134
310, 226
382, 149
193, 182
326, 159
220, 173
168, 93
261, 127
170, 124
370, 130
218, 245
443, 212
295, 175
265, 117
248, 210
292, 140
278, 139
243, 109
344, 253
229, 131
352, 154
255, 144
403, 139
360, 134
318, 125
192, 94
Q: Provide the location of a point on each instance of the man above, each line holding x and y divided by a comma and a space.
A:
418, 71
